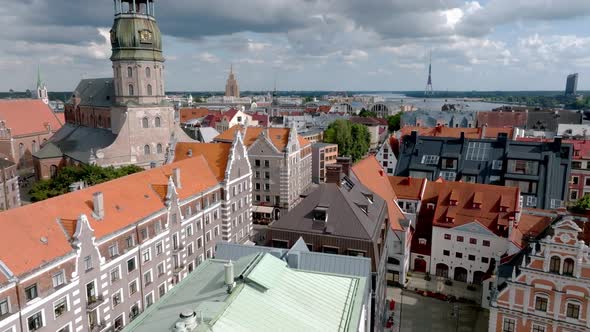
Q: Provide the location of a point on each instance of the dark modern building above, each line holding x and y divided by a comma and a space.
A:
571, 85
540, 170
341, 217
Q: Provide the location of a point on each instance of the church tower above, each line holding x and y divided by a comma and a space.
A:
137, 53
231, 87
41, 92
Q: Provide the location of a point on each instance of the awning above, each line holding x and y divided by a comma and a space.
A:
262, 209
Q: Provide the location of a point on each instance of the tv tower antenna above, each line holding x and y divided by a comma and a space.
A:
429, 91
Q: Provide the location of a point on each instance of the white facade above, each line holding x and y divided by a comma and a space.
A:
471, 247
387, 158
240, 118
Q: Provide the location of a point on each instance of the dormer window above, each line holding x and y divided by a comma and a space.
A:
450, 219
453, 202
370, 198
503, 209
422, 241
364, 208
320, 214
476, 205
430, 206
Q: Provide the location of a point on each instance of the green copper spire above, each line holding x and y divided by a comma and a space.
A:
39, 82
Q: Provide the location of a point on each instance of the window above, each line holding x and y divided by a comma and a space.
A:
430, 159
573, 195
147, 256
472, 241
446, 253
266, 187
471, 257
448, 163
31, 292
35, 321
526, 167
216, 231
575, 180
60, 307
573, 310
148, 72
541, 303
447, 236
158, 122
531, 201
87, 263
131, 92
149, 300
114, 250
119, 323
529, 187
58, 279
568, 267
4, 308
554, 264
34, 146
133, 287
199, 243
469, 178
486, 243
130, 242
117, 298
161, 269
159, 248
485, 260
129, 72
115, 274
144, 233
459, 255
131, 265
449, 176
208, 237
478, 151
162, 290
147, 278
460, 238
266, 163
146, 150
257, 162
497, 165
538, 328
509, 325
190, 249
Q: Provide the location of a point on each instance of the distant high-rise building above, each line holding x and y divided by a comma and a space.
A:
231, 87
41, 92
571, 85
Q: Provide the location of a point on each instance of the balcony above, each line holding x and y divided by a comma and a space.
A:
98, 326
178, 269
94, 302
178, 248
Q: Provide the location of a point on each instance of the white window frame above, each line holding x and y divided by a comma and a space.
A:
114, 252
66, 297
165, 289
189, 230
63, 275
43, 320
148, 251
118, 269
68, 325
513, 320
136, 286
163, 264
148, 272
149, 295
497, 164
161, 245
122, 299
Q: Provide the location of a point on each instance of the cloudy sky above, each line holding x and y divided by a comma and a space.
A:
312, 44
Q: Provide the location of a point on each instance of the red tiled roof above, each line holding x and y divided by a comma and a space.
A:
33, 231
61, 117
502, 119
371, 175
27, 116
529, 225
216, 154
262, 119
187, 114
442, 131
407, 187
278, 136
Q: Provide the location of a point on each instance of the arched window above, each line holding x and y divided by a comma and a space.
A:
145, 122
149, 89
158, 122
159, 148
147, 150
129, 72
34, 146
568, 267
131, 92
148, 72
21, 150
554, 264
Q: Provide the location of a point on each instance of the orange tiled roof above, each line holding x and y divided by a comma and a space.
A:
278, 136
531, 225
126, 200
27, 116
61, 117
441, 131
488, 214
371, 175
216, 154
187, 114
407, 188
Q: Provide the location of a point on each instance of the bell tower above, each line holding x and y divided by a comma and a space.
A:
137, 57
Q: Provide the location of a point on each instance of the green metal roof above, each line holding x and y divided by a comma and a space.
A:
268, 296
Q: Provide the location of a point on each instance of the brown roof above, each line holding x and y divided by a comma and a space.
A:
371, 175
34, 231
187, 114
27, 116
278, 136
442, 131
529, 225
407, 188
61, 117
488, 214
502, 119
216, 154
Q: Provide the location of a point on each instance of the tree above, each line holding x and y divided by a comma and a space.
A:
583, 204
353, 139
366, 114
90, 174
394, 122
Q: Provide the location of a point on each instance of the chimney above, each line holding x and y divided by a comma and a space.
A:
187, 321
189, 153
346, 163
483, 130
333, 173
98, 202
229, 276
176, 177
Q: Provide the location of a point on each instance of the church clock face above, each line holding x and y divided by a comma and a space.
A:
145, 36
